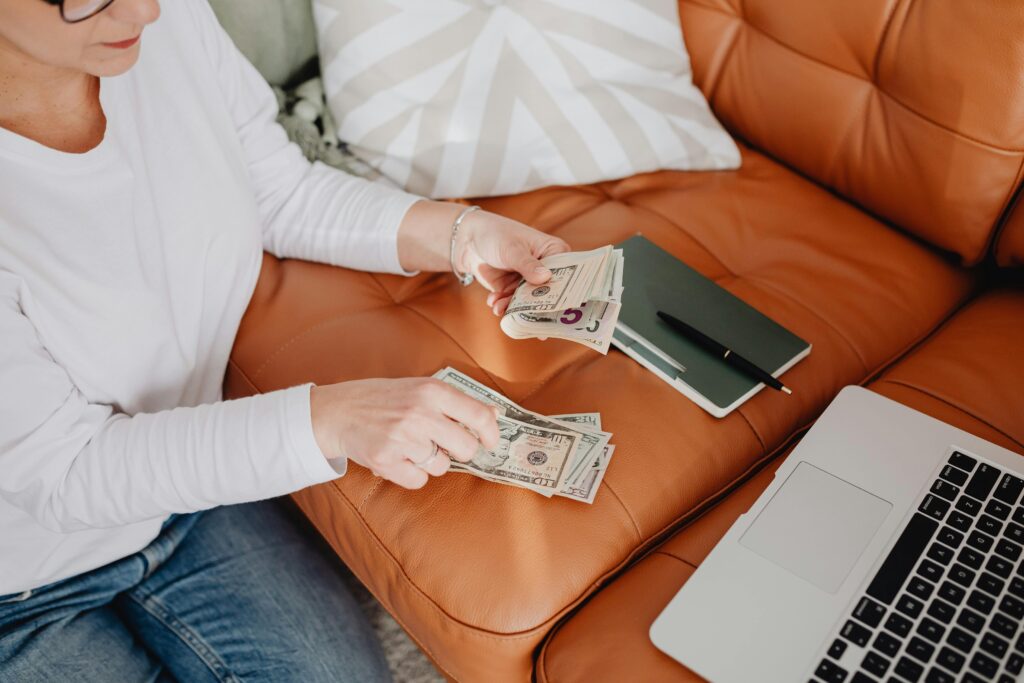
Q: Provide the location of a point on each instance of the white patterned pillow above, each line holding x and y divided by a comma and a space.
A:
469, 98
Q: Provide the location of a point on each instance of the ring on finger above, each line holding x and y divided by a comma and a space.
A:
422, 464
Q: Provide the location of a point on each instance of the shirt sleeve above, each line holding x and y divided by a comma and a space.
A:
73, 465
310, 210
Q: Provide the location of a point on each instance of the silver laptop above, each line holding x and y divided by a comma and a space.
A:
888, 547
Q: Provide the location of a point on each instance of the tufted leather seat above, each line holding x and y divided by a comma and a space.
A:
853, 127
451, 561
968, 374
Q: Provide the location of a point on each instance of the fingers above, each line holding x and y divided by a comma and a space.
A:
500, 305
481, 419
405, 474
436, 463
555, 245
454, 438
522, 260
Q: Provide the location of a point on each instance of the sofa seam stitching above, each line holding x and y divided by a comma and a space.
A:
949, 402
763, 284
728, 269
311, 328
473, 630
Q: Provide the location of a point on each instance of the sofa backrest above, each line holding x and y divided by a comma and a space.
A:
914, 110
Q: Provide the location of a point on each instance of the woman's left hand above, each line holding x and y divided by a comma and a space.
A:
501, 252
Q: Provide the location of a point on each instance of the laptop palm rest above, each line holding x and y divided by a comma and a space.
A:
816, 526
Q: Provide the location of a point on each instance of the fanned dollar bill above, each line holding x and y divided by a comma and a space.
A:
548, 455
580, 302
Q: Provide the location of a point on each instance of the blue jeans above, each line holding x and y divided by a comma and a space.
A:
239, 593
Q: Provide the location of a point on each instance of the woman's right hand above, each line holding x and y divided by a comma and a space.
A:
387, 425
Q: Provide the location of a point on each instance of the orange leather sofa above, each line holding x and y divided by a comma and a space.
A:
883, 152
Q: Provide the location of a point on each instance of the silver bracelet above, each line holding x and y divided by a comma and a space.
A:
465, 279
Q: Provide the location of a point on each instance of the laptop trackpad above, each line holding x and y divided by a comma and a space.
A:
816, 526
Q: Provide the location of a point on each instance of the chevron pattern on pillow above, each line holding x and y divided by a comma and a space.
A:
469, 98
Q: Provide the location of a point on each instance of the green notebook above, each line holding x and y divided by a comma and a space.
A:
655, 280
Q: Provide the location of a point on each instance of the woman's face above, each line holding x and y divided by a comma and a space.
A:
34, 29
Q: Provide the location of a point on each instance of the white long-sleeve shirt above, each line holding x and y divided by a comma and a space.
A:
124, 273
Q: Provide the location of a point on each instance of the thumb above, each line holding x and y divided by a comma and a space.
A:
524, 262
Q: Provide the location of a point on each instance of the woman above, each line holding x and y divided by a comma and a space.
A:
138, 188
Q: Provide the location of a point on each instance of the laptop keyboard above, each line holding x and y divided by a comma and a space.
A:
947, 603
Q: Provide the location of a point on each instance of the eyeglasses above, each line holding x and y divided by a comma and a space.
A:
74, 11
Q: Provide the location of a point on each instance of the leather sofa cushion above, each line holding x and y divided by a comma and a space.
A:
969, 374
478, 573
1010, 247
893, 104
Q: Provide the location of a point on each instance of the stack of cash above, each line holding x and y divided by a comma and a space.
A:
564, 455
580, 302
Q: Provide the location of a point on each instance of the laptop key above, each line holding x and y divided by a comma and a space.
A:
875, 663
901, 559
962, 460
982, 481
982, 542
909, 606
859, 677
981, 602
994, 645
1012, 606
951, 659
997, 509
991, 584
930, 571
898, 624
934, 507
968, 505
909, 669
960, 639
941, 610
920, 649
953, 593
886, 644
830, 671
1009, 488
931, 630
984, 665
1003, 625
971, 620
1019, 645
959, 521
943, 489
971, 557
954, 475
989, 524
869, 611
1015, 664
950, 537
940, 553
920, 588
1017, 586
999, 566
938, 676
1018, 515
855, 633
838, 647
962, 575
1015, 532
1008, 549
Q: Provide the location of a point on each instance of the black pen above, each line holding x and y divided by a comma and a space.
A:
728, 355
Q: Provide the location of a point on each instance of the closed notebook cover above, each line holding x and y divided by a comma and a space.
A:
655, 280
